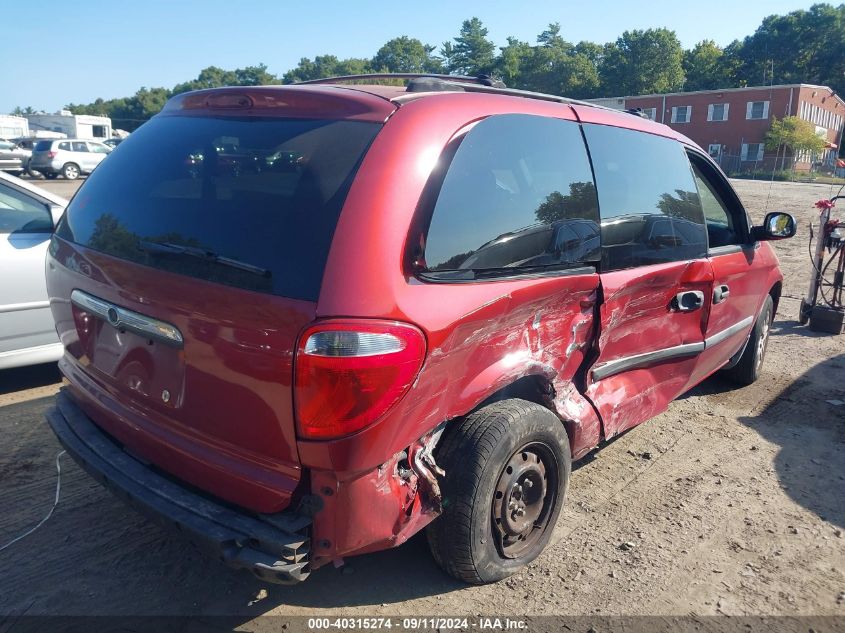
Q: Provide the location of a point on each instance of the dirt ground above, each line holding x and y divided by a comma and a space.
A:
732, 502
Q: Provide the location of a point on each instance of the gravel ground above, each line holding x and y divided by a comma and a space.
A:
731, 502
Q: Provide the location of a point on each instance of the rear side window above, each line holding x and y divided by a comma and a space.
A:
251, 203
66, 146
518, 195
650, 209
43, 146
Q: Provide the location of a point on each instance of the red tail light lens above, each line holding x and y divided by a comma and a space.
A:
348, 374
51, 154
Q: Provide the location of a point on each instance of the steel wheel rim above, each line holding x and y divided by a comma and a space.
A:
523, 499
761, 344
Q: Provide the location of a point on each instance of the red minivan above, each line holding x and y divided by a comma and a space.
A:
305, 322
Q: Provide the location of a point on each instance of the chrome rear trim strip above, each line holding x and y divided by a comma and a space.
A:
124, 319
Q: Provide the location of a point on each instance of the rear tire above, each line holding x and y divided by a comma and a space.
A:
507, 470
750, 365
70, 171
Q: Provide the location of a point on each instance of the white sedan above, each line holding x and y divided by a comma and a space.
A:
28, 215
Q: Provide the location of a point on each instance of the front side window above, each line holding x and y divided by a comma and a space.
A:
518, 196
723, 216
650, 209
246, 202
21, 214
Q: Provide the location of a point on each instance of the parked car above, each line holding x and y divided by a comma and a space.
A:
69, 157
112, 142
420, 325
13, 157
27, 216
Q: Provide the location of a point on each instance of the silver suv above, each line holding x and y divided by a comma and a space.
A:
69, 157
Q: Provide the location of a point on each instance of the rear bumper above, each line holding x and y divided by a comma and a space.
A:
274, 547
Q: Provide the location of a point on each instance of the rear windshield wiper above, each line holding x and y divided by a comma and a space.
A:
166, 248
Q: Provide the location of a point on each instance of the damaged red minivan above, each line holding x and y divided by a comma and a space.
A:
305, 322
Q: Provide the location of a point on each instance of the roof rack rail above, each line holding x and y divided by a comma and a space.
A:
433, 82
484, 80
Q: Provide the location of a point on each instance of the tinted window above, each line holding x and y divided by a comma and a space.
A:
79, 146
65, 146
251, 203
650, 209
511, 197
43, 146
20, 213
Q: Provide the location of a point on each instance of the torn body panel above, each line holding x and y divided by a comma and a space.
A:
647, 347
380, 509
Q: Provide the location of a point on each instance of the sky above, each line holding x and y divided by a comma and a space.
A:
73, 53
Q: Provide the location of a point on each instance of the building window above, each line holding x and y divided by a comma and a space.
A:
752, 151
651, 113
715, 150
757, 110
681, 114
718, 111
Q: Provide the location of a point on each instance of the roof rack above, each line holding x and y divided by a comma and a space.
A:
432, 82
484, 80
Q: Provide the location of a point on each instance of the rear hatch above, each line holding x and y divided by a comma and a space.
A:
186, 266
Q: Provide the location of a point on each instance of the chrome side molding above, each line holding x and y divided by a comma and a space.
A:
718, 337
613, 367
124, 319
619, 365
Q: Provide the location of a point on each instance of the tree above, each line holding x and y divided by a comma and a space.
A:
643, 62
513, 62
406, 55
704, 67
581, 202
795, 134
803, 46
472, 53
326, 66
18, 111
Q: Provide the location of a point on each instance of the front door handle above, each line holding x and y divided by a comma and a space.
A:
721, 294
688, 301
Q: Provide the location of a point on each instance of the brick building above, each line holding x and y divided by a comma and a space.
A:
732, 123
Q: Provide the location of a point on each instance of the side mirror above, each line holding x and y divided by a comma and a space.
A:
777, 226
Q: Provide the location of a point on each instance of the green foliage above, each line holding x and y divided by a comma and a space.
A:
794, 133
706, 67
642, 62
581, 202
472, 53
406, 55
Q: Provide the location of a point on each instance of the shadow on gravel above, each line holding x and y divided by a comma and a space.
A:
786, 326
811, 434
21, 378
102, 558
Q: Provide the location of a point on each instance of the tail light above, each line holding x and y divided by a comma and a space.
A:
51, 154
348, 374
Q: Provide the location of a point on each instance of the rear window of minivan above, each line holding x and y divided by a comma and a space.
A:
246, 202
